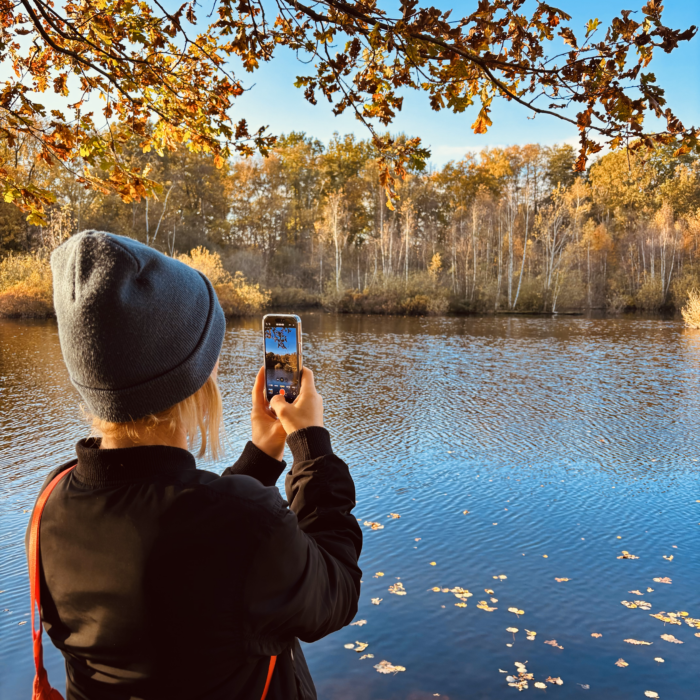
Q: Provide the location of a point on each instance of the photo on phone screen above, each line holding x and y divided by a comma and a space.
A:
282, 338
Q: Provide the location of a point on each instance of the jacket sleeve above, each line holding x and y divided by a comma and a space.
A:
306, 579
254, 462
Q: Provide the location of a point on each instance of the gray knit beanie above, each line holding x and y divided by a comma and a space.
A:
139, 331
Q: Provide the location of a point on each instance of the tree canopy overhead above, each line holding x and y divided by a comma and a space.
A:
133, 69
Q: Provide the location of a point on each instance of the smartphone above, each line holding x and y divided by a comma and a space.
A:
283, 361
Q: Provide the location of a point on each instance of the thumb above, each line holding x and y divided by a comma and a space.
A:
308, 385
278, 404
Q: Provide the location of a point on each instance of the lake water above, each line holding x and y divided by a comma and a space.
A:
568, 440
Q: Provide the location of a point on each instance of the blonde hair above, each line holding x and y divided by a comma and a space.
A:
200, 414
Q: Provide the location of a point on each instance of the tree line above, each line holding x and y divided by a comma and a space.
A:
502, 229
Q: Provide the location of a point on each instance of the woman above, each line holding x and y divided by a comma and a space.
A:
160, 580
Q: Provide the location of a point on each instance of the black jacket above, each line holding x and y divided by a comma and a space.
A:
164, 581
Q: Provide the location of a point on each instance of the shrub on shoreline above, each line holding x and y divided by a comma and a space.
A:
691, 310
26, 286
236, 295
391, 296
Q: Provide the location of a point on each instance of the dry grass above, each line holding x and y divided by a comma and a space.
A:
26, 287
691, 310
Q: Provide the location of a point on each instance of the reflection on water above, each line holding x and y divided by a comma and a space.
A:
565, 437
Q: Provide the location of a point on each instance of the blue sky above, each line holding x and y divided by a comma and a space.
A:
274, 101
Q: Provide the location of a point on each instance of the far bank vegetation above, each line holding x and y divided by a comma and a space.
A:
502, 230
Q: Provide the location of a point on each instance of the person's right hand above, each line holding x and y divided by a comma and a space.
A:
307, 409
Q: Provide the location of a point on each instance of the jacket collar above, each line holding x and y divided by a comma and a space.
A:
99, 467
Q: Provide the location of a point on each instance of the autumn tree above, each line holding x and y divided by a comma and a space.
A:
125, 69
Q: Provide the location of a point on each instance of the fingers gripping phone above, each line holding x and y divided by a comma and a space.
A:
283, 360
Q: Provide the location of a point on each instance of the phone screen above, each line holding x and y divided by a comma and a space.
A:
282, 337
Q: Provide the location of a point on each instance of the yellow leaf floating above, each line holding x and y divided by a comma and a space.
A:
349, 646
386, 667
516, 611
436, 589
501, 577
395, 516
670, 558
638, 642
540, 685
465, 512
379, 574
483, 605
433, 563
658, 659
366, 656
373, 525
560, 580
512, 629
461, 605
488, 590
556, 681
596, 634
627, 604
359, 623
361, 646
621, 663
553, 643
376, 601
664, 579
626, 555
636, 592
670, 638
397, 589
651, 694
666, 618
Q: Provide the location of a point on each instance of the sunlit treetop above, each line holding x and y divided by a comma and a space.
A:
128, 69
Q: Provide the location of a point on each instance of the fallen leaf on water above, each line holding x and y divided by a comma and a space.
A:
670, 558
530, 633
636, 592
361, 646
501, 576
433, 563
495, 523
461, 605
359, 623
556, 681
697, 634
650, 590
386, 667
349, 646
665, 579
553, 643
397, 589
19, 624
367, 656
512, 629
418, 539
596, 634
642, 604
483, 605
395, 516
376, 601
494, 600
373, 525
626, 555
488, 590
666, 618
545, 556
693, 622
379, 574
638, 642
559, 580
670, 638
651, 694
540, 685
516, 611
465, 512
659, 659
621, 663
627, 604
584, 686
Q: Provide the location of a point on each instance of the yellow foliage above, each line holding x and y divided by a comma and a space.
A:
691, 310
26, 287
208, 263
236, 296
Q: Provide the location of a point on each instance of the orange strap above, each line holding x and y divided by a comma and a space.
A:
42, 688
273, 660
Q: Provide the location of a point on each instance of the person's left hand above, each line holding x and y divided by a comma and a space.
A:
268, 433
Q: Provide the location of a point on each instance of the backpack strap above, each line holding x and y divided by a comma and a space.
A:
273, 660
42, 688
